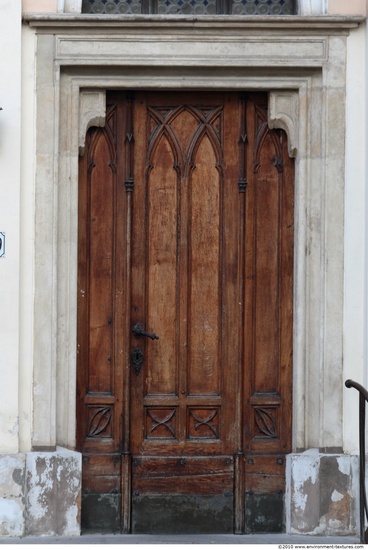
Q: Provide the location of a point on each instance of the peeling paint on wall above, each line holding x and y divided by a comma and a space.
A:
12, 476
53, 493
11, 514
40, 493
336, 496
323, 498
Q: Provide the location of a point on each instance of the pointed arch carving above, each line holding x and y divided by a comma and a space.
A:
283, 113
108, 133
262, 133
205, 128
92, 109
164, 130
184, 160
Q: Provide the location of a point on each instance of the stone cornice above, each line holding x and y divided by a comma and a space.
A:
72, 22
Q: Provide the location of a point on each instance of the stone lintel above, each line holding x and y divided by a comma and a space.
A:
301, 23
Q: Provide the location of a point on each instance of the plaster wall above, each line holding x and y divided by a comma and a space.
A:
355, 233
347, 7
40, 6
10, 142
51, 6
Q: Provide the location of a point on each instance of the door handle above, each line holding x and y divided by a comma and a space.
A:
137, 331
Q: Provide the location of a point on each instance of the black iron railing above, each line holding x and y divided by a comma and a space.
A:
363, 510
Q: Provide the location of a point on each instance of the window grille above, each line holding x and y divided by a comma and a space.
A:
196, 7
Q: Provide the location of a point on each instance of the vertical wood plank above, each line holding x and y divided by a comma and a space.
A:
101, 263
161, 270
126, 492
205, 283
268, 285
239, 489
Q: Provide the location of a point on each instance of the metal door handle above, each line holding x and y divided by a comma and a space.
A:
137, 330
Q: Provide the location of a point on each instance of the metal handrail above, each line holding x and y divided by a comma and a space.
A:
363, 510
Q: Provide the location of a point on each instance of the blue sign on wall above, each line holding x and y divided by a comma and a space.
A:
2, 244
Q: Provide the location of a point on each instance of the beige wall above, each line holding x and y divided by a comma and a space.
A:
347, 7
51, 6
39, 6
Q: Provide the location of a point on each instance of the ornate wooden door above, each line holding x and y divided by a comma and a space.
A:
185, 315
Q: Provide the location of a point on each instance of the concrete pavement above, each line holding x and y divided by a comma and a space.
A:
278, 539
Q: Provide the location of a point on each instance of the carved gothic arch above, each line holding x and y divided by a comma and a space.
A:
283, 113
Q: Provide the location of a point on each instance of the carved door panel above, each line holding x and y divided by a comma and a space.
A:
103, 316
185, 286
185, 314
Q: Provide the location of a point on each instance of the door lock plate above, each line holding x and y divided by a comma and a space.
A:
137, 359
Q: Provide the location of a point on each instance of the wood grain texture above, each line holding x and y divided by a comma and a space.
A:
190, 475
186, 213
181, 289
268, 314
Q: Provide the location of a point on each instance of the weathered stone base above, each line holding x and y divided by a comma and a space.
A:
322, 494
12, 501
40, 493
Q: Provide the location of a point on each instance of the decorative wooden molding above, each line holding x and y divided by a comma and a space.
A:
92, 112
283, 112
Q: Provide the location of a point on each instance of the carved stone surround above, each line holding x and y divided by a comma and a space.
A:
301, 62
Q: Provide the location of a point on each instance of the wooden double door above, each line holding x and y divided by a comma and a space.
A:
185, 293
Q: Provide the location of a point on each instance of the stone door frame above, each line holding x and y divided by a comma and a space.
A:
302, 63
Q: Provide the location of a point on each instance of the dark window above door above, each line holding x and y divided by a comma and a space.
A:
188, 7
